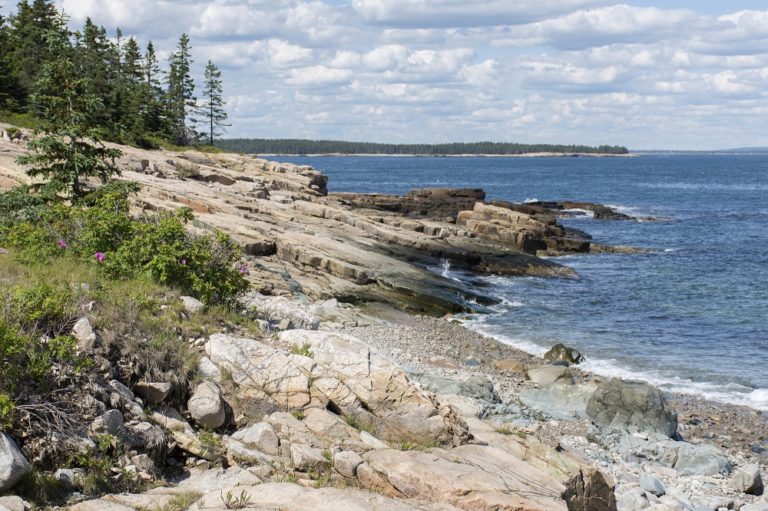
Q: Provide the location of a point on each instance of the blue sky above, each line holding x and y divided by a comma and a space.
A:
646, 74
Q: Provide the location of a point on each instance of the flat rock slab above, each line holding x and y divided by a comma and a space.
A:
292, 497
470, 477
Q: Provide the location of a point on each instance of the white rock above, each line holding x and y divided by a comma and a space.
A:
13, 464
12, 503
346, 463
466, 406
153, 392
207, 406
371, 441
85, 335
306, 458
547, 375
747, 480
652, 485
208, 370
191, 305
260, 436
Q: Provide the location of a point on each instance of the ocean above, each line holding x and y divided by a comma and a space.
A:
690, 316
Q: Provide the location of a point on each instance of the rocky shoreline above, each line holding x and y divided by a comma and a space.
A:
354, 386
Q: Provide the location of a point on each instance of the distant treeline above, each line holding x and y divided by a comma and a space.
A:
297, 146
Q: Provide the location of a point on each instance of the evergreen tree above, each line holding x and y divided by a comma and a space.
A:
67, 149
132, 79
152, 111
212, 110
27, 51
7, 85
180, 93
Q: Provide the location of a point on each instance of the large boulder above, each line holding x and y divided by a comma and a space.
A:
13, 464
632, 406
207, 406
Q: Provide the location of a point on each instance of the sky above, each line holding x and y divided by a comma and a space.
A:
647, 74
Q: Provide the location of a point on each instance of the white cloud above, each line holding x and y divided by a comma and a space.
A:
587, 71
318, 76
462, 13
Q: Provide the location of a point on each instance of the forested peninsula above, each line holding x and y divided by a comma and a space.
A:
298, 146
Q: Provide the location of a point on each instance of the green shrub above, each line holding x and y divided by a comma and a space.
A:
100, 229
6, 412
43, 307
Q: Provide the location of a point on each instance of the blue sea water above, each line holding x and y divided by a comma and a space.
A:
690, 316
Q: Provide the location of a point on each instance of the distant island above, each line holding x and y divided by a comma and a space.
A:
299, 146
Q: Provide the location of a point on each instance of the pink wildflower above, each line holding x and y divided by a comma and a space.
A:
244, 270
183, 262
100, 256
62, 243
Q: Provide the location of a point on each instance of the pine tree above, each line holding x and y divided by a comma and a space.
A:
212, 110
180, 93
67, 149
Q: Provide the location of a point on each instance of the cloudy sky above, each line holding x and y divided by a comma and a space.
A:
682, 74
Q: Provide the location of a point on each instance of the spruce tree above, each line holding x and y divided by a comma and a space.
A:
152, 111
212, 110
67, 149
27, 50
180, 96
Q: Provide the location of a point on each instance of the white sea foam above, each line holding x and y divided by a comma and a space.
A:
580, 212
732, 393
530, 200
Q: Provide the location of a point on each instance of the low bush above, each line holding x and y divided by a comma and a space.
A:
101, 230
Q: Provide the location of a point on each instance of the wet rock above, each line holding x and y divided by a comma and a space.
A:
590, 491
748, 480
207, 406
153, 392
564, 353
13, 464
634, 406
